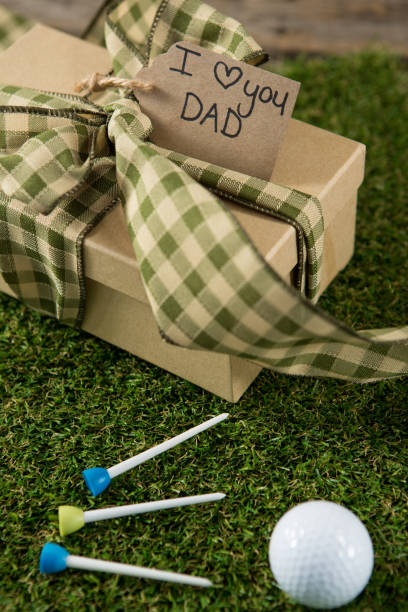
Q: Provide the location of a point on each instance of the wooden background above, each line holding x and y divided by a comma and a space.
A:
280, 26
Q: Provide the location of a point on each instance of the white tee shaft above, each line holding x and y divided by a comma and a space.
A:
124, 466
103, 514
98, 565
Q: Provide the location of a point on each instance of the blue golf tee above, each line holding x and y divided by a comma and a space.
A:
53, 558
97, 479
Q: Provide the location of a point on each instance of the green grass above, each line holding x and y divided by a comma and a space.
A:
71, 401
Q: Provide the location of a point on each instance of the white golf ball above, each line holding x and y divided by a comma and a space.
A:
321, 554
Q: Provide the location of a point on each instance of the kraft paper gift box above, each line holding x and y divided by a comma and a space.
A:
311, 160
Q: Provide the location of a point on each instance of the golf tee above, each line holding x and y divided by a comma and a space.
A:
124, 466
103, 514
97, 479
55, 558
97, 565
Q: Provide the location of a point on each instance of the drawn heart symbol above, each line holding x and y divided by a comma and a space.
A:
223, 74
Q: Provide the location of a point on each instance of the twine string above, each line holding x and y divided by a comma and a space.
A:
98, 82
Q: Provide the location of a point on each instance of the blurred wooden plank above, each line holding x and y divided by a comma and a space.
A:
322, 26
72, 16
280, 26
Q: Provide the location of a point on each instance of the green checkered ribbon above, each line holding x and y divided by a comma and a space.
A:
65, 159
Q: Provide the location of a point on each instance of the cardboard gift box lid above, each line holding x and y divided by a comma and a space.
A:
311, 160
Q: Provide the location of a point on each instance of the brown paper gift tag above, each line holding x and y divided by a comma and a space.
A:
217, 109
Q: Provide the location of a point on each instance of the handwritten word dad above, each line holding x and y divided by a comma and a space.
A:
217, 109
193, 108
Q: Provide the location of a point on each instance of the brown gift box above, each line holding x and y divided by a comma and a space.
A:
311, 160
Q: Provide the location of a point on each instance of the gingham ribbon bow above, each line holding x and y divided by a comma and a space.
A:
65, 159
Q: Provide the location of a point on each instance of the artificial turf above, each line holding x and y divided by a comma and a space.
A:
71, 401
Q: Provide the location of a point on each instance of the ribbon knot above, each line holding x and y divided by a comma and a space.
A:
56, 163
126, 119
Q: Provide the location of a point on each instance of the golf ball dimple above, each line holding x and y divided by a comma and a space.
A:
321, 554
